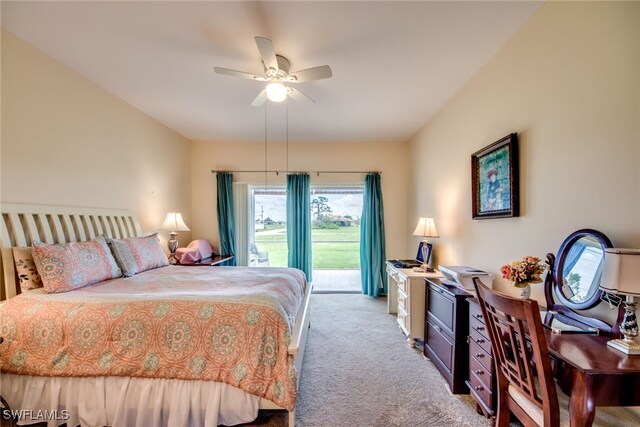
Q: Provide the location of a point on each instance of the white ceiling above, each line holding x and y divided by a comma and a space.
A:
395, 64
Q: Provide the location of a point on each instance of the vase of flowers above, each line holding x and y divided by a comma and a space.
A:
523, 273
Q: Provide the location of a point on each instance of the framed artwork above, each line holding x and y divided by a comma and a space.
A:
494, 179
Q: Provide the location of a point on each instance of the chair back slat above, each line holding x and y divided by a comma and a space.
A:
520, 350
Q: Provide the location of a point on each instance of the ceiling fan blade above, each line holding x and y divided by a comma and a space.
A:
260, 99
316, 73
299, 96
235, 73
267, 52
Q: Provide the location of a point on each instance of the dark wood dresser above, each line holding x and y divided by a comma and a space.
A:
482, 378
445, 332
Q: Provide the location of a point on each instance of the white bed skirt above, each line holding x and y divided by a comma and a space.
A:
124, 401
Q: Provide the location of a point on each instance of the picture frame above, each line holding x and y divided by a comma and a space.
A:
495, 189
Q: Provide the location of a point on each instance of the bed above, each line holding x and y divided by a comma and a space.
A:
161, 384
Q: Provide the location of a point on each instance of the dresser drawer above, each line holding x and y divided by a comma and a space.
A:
480, 390
403, 301
481, 356
475, 312
393, 274
403, 284
439, 344
481, 372
441, 306
481, 340
404, 320
478, 326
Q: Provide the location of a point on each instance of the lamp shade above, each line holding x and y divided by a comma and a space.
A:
174, 222
426, 228
621, 273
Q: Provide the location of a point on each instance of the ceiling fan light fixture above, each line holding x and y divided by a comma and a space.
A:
276, 75
276, 92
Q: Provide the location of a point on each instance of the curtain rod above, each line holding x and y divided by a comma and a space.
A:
278, 172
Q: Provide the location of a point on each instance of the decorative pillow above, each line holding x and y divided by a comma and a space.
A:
138, 254
26, 271
71, 266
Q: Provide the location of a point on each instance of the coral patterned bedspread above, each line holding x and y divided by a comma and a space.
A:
224, 324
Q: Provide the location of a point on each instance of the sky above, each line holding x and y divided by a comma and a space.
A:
341, 204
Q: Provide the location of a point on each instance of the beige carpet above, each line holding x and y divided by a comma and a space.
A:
359, 371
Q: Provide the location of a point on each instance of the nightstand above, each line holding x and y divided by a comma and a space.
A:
216, 260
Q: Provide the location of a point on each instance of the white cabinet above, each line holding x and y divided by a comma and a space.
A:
406, 296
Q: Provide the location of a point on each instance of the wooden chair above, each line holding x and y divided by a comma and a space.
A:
525, 384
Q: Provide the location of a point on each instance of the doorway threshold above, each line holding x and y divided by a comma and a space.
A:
334, 291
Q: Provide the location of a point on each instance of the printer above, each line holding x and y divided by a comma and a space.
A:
462, 276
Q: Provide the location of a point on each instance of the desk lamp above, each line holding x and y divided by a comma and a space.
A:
426, 228
621, 275
173, 223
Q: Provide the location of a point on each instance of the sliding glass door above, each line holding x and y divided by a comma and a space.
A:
268, 216
335, 233
335, 237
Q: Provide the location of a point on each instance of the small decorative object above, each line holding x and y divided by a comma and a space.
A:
621, 276
173, 223
426, 228
494, 179
523, 273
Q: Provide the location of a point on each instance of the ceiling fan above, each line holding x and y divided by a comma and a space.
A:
276, 73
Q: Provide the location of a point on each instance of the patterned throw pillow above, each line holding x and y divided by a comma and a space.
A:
71, 266
138, 254
26, 271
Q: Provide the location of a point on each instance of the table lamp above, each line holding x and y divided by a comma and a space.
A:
621, 276
426, 228
173, 223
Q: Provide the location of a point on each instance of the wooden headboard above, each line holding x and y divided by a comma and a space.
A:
21, 225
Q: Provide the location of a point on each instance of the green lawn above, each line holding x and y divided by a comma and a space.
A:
328, 248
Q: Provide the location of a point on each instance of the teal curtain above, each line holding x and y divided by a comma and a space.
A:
372, 242
226, 226
299, 222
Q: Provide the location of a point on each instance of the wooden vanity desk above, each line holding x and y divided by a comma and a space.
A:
593, 374
585, 368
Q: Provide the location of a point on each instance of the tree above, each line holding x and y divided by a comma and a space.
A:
320, 208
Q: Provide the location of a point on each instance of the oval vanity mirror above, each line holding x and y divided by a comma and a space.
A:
579, 269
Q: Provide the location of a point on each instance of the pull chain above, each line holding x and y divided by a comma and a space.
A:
287, 124
265, 145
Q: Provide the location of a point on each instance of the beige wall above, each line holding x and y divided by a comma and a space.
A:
66, 141
568, 84
390, 159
